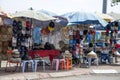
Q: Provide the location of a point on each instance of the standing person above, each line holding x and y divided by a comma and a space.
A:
77, 54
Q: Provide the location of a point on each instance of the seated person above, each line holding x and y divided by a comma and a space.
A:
63, 46
90, 47
116, 54
92, 57
105, 55
48, 46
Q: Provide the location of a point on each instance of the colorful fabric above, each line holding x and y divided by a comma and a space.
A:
36, 35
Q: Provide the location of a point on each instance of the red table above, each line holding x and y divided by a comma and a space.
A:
44, 53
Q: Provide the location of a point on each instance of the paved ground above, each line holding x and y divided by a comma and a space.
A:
40, 74
89, 77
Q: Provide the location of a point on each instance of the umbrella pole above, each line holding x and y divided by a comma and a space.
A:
31, 24
95, 41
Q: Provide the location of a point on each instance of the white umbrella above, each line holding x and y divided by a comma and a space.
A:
59, 21
116, 16
3, 13
33, 14
106, 17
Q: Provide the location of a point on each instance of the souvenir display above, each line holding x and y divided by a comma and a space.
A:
5, 37
21, 34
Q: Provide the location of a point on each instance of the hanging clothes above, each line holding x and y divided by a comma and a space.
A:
118, 28
97, 36
36, 35
89, 38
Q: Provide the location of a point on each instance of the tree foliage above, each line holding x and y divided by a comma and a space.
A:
114, 2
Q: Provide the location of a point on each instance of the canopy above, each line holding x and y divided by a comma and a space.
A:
84, 18
48, 12
106, 17
3, 13
33, 14
116, 16
59, 19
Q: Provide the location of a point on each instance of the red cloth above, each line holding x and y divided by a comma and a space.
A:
44, 53
116, 31
27, 23
117, 45
107, 31
9, 51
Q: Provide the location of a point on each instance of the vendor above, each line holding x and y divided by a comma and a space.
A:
48, 46
116, 54
105, 55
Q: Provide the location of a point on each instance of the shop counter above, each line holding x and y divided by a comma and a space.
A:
44, 53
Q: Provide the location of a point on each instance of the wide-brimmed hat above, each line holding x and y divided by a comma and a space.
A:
92, 52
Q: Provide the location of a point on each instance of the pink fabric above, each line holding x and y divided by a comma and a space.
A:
57, 61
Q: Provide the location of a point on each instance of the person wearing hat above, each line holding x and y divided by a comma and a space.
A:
92, 57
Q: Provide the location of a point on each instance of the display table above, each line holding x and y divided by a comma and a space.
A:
44, 53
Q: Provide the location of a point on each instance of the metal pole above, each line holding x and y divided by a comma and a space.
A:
104, 8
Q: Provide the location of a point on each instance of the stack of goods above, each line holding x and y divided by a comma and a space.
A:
67, 54
21, 34
5, 33
111, 32
15, 56
21, 39
5, 37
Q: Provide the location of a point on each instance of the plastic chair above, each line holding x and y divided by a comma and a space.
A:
9, 61
57, 61
36, 62
25, 62
63, 65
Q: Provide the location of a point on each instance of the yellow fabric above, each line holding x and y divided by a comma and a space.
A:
50, 28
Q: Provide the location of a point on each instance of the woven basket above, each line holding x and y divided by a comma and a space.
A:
4, 37
3, 29
9, 30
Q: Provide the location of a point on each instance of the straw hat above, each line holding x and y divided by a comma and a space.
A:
67, 52
92, 54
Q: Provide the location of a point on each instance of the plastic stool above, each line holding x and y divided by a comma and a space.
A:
68, 63
57, 61
36, 62
63, 63
24, 64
